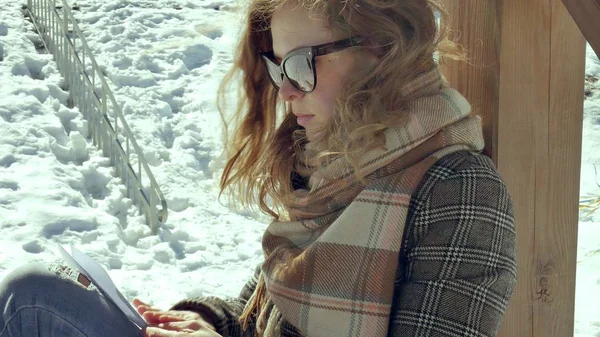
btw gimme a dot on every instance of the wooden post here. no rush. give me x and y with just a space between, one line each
477 27
526 79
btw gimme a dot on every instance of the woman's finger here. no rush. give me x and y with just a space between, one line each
170 318
178 326
158 332
138 303
161 317
150 317
143 308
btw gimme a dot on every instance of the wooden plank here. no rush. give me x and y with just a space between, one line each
484 26
586 14
536 145
523 106
478 29
558 192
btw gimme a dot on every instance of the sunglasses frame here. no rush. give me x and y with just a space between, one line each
310 53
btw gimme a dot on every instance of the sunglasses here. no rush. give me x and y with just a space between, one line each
298 66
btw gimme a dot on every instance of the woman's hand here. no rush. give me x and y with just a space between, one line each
155 316
177 329
173 323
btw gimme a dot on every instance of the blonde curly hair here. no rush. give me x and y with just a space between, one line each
265 146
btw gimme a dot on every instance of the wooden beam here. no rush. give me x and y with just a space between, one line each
557 193
586 14
478 30
523 82
531 55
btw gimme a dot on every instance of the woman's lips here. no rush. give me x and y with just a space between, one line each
304 119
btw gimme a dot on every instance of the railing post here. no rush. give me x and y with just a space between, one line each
66 46
50 33
140 175
104 106
153 216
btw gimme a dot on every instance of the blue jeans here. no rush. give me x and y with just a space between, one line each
35 301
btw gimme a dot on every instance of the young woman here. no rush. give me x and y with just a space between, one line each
386 219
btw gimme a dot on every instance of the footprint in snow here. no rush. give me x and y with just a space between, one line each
3 29
30 67
9 185
7 161
194 56
117 30
59 227
33 247
95 183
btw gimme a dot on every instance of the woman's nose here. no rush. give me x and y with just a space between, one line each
287 92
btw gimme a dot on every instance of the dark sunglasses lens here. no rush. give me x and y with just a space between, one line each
274 72
299 70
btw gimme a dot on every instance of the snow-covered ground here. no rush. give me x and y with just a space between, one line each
165 59
55 187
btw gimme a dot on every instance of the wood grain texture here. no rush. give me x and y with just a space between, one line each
530 94
477 28
558 194
587 16
523 106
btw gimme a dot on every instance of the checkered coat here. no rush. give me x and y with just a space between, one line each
458 258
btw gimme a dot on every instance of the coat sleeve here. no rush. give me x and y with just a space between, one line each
458 264
224 313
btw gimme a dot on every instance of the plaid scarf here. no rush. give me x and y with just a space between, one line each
331 273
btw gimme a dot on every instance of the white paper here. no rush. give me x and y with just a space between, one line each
99 277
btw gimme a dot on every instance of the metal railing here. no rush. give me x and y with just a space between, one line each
90 92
